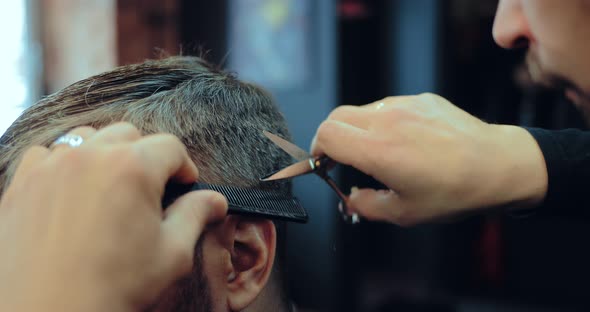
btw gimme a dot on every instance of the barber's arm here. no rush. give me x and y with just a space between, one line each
567 155
82 228
438 160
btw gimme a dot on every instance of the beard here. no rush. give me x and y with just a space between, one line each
189 294
574 93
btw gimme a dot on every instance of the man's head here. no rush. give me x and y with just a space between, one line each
557 36
220 120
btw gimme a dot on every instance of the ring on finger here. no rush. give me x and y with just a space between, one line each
71 140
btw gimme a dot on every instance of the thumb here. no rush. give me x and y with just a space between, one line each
377 205
184 222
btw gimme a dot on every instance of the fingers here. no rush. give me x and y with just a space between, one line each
344 143
360 117
379 205
84 132
167 158
185 220
31 157
163 154
352 115
388 101
37 154
117 133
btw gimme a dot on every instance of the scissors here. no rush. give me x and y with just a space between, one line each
308 164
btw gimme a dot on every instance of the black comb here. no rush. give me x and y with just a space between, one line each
246 201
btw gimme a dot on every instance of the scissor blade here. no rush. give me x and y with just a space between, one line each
294 170
291 149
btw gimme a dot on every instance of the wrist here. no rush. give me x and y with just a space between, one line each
523 172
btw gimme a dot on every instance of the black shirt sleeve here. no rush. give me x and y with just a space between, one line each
567 156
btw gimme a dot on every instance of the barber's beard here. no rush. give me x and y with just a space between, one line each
540 75
190 294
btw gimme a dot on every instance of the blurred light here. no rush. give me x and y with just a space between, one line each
14 80
353 9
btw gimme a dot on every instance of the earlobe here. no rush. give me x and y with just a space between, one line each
252 259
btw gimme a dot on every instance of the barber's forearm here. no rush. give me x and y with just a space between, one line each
567 157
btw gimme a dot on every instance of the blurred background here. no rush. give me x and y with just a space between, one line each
313 56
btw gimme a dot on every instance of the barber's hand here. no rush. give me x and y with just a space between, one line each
82 229
437 159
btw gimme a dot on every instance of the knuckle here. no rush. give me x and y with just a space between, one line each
126 160
172 138
33 150
175 143
339 111
398 113
127 128
74 156
195 213
69 161
36 172
388 99
83 129
430 97
324 132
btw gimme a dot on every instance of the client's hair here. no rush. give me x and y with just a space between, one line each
218 118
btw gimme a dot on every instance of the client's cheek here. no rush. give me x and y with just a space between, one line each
216 266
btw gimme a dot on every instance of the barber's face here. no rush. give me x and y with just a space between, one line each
557 36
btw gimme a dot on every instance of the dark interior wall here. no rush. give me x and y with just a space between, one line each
497 261
146 29
203 28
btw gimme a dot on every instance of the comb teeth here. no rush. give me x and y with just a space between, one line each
248 201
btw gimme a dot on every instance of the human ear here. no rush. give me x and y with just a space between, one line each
252 259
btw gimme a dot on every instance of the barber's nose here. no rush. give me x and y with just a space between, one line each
511 29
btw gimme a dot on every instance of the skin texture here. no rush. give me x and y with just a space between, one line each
555 34
216 117
440 161
116 162
437 160
233 264
82 218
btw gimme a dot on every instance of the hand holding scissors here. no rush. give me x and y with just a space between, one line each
437 159
308 164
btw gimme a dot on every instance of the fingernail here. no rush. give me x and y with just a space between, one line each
340 207
353 189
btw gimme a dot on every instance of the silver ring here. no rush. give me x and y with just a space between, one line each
72 140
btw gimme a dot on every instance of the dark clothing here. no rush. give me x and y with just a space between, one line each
567 155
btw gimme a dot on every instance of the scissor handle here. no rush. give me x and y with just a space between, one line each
322 165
